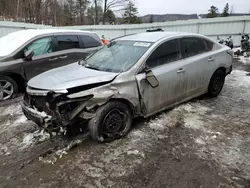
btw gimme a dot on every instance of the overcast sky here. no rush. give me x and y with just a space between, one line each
188 6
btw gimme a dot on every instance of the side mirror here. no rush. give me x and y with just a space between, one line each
151 79
28 55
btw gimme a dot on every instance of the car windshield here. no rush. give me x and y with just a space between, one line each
118 56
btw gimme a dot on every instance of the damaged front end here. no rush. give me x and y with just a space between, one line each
67 110
55 112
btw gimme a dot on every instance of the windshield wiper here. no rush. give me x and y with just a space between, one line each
91 67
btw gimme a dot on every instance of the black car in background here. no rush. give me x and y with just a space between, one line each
27 53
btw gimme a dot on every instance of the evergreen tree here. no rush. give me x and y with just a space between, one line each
130 14
225 12
110 16
212 12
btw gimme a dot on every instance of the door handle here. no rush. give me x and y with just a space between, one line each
181 70
210 59
63 57
53 59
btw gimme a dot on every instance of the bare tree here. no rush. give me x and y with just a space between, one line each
58 12
111 4
96 11
232 9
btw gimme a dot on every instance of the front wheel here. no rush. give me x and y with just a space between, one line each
216 83
112 121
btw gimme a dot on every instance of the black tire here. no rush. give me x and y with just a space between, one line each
100 126
13 84
216 83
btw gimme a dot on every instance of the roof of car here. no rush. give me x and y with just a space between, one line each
14 40
152 36
37 32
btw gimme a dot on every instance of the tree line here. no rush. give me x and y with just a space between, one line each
68 12
214 11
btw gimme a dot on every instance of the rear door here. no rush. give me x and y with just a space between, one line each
71 48
199 64
166 65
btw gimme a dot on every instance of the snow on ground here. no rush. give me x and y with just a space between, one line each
237 49
244 60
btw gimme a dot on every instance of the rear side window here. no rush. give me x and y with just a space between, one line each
90 42
192 46
165 53
67 42
209 45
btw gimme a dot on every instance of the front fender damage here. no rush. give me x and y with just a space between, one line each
77 107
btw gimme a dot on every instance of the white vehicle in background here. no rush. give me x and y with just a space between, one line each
136 75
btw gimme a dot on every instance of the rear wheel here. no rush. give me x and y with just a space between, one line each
8 88
216 83
112 121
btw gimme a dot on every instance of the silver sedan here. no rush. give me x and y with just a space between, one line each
136 75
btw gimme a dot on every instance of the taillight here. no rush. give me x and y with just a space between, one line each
230 52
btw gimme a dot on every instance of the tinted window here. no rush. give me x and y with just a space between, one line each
165 53
192 46
90 42
40 46
67 42
209 45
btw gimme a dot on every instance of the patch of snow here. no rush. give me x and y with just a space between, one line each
162 137
193 121
240 77
136 152
138 134
20 120
34 138
245 60
52 158
11 110
156 126
236 49
200 141
161 123
4 150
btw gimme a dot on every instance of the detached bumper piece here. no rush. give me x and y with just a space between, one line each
41 119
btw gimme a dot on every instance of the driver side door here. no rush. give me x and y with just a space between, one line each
44 55
166 65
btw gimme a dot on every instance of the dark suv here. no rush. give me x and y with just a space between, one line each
27 53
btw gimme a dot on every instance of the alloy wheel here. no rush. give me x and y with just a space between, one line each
6 89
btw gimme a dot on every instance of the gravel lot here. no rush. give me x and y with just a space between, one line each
202 143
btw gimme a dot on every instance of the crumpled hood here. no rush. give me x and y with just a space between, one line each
69 76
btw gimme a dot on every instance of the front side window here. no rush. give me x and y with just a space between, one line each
192 46
67 42
165 53
41 46
118 56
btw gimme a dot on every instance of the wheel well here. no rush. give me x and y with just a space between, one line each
18 79
222 68
128 103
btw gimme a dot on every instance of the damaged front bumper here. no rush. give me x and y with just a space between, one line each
40 118
56 114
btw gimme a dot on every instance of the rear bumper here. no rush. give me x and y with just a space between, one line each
39 118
